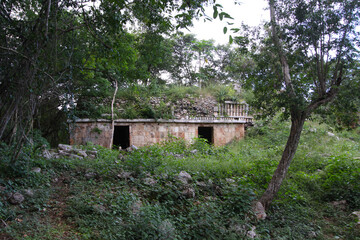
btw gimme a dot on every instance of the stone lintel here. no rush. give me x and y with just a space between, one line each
195 121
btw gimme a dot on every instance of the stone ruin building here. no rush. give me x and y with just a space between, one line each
219 124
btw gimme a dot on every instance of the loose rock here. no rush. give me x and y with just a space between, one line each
195 151
150 181
81 153
124 175
230 180
184 177
251 234
75 156
90 175
65 147
166 230
259 211
91 154
131 148
341 205
46 154
188 193
29 192
36 169
16 198
357 214
312 234
201 184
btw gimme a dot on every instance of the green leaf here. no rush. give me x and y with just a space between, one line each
225 30
215 14
231 39
221 16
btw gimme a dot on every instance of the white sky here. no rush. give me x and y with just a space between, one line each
251 12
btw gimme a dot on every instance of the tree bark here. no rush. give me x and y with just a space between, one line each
297 124
112 114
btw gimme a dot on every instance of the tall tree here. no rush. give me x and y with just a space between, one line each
303 65
42 47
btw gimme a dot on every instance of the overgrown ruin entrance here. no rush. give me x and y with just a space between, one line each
121 137
206 133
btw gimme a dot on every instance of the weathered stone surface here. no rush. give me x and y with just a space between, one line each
201 184
29 192
230 180
251 234
90 175
131 148
91 152
150 181
357 214
259 211
184 177
124 175
238 229
188 192
312 234
176 155
341 205
195 151
47 154
330 134
65 147
63 153
166 230
75 156
36 169
16 198
147 133
313 130
82 153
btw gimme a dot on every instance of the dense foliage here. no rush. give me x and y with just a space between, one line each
86 199
55 54
310 52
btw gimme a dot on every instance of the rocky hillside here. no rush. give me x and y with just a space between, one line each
164 107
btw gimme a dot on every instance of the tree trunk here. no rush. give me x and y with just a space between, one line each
112 114
5 119
297 123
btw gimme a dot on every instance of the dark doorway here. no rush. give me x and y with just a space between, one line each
206 133
121 137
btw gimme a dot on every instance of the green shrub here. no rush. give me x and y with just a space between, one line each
340 180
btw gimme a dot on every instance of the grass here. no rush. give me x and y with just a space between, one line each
215 204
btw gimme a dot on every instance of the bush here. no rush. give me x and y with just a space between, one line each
340 180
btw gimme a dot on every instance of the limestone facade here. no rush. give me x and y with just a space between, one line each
142 132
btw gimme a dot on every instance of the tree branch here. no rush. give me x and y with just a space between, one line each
94 33
277 42
27 58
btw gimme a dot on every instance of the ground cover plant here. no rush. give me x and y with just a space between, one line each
177 190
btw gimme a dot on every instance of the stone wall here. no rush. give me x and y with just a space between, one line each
148 132
96 132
